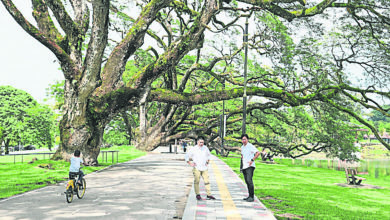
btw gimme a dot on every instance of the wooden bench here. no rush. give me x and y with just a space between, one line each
266 156
352 179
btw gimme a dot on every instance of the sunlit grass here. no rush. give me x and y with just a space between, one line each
14 158
312 192
21 177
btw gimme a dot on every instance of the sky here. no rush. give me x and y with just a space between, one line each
24 62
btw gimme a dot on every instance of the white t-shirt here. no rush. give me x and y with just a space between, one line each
75 164
248 153
199 155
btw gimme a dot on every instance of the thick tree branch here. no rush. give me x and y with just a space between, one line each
97 44
357 117
63 18
68 66
271 6
168 96
111 75
177 50
44 21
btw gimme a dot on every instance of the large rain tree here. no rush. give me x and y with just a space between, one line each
95 92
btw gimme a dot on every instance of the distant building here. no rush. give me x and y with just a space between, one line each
385 137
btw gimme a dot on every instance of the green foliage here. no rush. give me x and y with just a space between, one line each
115 137
56 91
141 59
283 129
117 131
24 120
379 120
41 124
1 133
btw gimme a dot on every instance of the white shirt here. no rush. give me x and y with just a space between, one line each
75 164
248 153
199 155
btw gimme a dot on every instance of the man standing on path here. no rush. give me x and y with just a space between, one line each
200 156
249 154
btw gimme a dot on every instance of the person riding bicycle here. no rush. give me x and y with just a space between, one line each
74 168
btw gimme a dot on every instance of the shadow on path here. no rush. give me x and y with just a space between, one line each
154 186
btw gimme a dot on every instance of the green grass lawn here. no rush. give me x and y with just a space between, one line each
375 152
311 193
21 177
14 158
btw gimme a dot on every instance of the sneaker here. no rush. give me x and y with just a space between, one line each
250 199
198 197
246 198
211 197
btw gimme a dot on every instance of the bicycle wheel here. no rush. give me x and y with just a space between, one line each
69 194
81 188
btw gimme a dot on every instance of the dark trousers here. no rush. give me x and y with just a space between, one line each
248 176
80 174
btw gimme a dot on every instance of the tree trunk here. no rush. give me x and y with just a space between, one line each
81 129
6 146
153 140
142 121
87 139
127 124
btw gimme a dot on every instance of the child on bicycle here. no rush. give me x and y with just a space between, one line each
74 168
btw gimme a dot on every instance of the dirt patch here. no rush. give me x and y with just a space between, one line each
362 186
267 198
46 166
290 216
268 162
33 160
179 159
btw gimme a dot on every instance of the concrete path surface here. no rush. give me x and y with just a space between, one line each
229 191
155 186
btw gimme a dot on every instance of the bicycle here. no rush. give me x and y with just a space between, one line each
74 187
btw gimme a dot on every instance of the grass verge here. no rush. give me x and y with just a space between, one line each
22 177
296 192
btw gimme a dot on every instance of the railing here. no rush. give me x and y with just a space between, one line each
23 156
104 153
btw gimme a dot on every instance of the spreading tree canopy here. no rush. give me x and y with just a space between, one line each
97 41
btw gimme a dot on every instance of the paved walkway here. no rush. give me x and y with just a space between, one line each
156 186
229 190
